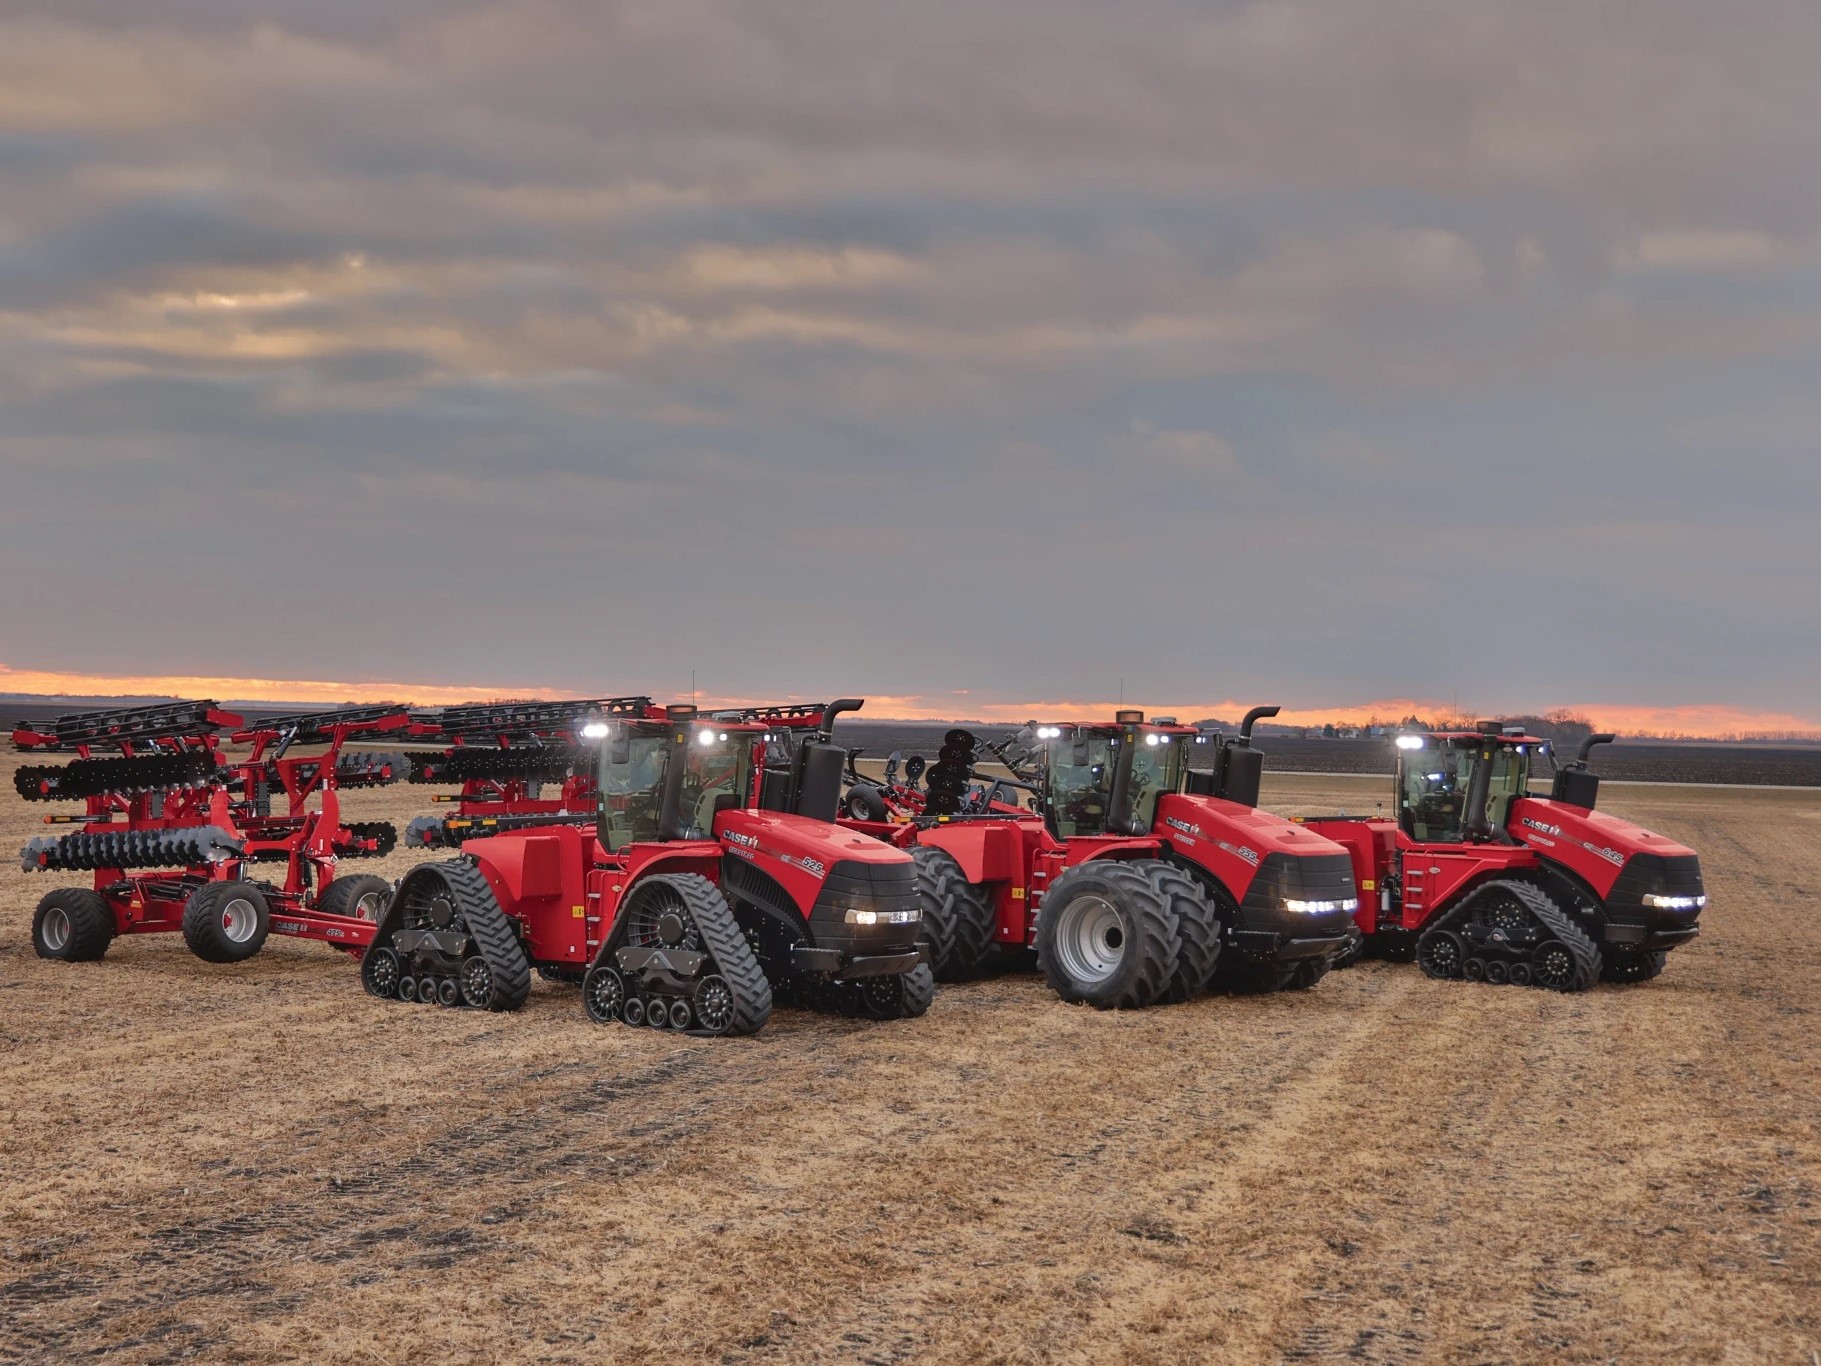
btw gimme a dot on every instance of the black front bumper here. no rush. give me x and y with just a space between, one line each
1267 929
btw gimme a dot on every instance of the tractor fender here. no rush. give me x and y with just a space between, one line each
988 851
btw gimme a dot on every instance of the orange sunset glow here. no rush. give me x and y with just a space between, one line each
1687 720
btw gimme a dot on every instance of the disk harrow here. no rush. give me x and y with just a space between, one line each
519 765
90 851
123 777
172 826
953 786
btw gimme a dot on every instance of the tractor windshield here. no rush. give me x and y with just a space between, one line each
1156 769
716 775
632 790
1433 785
1078 785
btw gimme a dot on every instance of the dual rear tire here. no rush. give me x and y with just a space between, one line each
1111 935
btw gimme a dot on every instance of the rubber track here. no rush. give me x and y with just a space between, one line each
1540 904
1155 928
733 956
492 933
958 917
1197 932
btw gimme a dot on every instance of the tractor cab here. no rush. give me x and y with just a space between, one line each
1456 787
1105 780
664 779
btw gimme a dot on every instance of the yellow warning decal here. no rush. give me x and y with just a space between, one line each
1367 885
577 912
1017 894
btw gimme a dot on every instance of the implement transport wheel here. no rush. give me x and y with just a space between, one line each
1197 932
226 922
1626 966
959 921
1107 936
359 896
72 924
863 803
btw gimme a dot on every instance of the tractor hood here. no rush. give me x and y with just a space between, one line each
1620 861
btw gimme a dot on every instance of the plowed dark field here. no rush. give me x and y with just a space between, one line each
259 1162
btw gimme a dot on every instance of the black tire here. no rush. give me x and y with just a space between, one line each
380 973
359 896
1440 954
1628 966
903 996
72 924
226 922
1197 932
959 922
865 803
1107 936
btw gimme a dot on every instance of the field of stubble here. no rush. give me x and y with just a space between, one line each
259 1162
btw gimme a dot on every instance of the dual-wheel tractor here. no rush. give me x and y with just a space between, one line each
1135 878
713 877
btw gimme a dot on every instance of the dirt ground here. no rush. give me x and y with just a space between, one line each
260 1162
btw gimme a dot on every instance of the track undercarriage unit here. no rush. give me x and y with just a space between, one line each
1510 932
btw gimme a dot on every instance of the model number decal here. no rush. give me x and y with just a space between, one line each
1240 851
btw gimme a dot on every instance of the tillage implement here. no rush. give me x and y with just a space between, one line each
1478 879
173 828
712 877
1137 880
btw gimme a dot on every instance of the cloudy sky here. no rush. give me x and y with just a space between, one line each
963 354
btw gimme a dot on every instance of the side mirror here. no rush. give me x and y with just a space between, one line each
1079 752
619 748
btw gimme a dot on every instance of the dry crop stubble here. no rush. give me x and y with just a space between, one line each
260 1160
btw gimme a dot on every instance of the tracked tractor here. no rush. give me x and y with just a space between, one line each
1137 880
712 876
175 831
1478 879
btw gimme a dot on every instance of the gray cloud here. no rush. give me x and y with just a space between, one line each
1305 349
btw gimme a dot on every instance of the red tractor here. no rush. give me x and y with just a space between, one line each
1136 880
173 829
1478 879
713 874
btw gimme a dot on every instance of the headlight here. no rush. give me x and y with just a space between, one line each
705 737
1409 742
1320 907
595 730
884 917
1674 903
1049 732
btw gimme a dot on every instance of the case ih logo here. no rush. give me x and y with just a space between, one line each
749 841
1240 851
1539 825
1183 826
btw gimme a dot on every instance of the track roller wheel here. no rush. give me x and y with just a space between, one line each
1521 975
226 922
359 896
72 924
604 994
1197 932
633 1012
1498 972
1626 966
1474 969
1107 936
1439 954
380 973
959 921
448 992
407 989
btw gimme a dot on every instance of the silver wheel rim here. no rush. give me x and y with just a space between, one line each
367 907
1090 939
56 929
239 920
